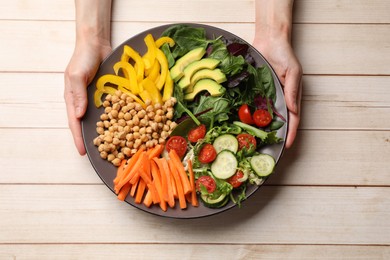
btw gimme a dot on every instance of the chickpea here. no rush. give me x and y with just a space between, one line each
106 148
127 116
148 102
129 144
164 134
136 135
122 122
149 130
116 162
106 103
97 141
100 130
158 118
149 108
153 125
165 128
135 120
116 107
169 114
101 148
123 96
120 156
108 97
114 113
138 107
129 100
103 154
108 139
155 135
104 117
142 130
131 105
143 122
127 151
141 114
129 137
114 99
136 129
116 141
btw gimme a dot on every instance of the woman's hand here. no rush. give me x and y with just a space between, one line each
79 73
93 34
273 40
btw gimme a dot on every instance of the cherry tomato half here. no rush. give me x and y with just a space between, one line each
246 140
244 113
196 133
177 143
262 117
207 182
207 154
234 180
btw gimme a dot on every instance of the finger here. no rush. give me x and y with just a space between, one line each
74 124
78 86
294 120
292 88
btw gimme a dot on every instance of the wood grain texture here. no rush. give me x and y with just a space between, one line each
191 251
274 215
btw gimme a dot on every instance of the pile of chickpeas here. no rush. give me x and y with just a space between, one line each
125 126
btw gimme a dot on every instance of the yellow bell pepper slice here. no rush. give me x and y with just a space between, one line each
160 56
97 97
168 88
130 74
128 53
150 55
154 72
114 80
150 87
165 39
145 96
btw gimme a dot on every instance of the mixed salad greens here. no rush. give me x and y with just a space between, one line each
230 126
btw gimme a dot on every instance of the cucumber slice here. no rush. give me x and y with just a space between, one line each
262 164
226 142
214 203
225 165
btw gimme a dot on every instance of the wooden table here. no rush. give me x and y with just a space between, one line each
330 196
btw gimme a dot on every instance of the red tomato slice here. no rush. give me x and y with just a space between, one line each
234 180
246 140
177 143
244 113
207 154
196 133
262 117
207 182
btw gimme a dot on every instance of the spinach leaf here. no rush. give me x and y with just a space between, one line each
230 64
219 109
186 38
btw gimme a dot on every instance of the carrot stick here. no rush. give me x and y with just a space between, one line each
120 171
167 173
143 162
148 199
155 151
164 185
194 198
140 191
130 169
174 190
157 182
182 173
153 190
124 192
179 187
133 189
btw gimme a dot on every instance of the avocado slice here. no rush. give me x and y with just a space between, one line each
215 74
209 85
205 63
191 56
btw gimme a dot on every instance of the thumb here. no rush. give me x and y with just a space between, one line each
291 89
79 96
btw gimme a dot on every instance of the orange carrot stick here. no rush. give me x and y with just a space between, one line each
120 171
155 151
130 169
173 183
182 173
179 187
148 199
153 190
140 191
157 182
133 189
194 198
124 192
143 163
164 186
167 172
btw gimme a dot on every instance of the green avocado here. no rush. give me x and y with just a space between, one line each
208 85
215 74
205 63
191 56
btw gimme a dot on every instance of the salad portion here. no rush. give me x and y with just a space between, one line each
230 103
190 119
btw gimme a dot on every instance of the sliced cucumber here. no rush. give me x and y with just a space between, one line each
226 142
214 203
262 164
252 130
225 165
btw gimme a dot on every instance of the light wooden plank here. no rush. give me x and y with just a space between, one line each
305 11
192 251
317 158
322 49
274 215
329 102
